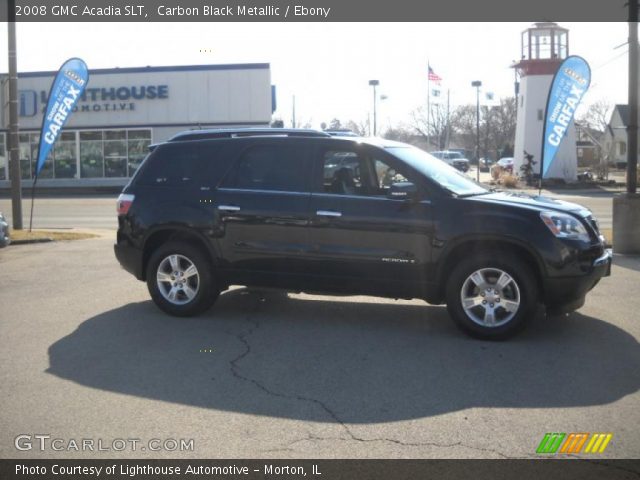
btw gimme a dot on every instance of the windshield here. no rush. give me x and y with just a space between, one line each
438 171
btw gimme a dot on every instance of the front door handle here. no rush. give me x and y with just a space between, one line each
229 208
328 213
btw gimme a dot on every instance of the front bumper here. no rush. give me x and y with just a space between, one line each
567 294
605 261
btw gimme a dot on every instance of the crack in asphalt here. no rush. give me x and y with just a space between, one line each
603 463
235 371
312 438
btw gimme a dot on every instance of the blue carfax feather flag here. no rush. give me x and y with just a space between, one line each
569 85
66 90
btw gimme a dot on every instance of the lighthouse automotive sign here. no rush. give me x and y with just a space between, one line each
569 85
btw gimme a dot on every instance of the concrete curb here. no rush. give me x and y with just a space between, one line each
31 240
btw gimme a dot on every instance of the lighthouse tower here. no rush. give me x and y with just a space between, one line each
544 46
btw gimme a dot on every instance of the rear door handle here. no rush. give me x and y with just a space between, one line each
328 213
229 208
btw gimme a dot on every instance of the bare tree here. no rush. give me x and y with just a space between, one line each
335 124
432 127
497 128
361 128
463 123
399 133
503 127
597 115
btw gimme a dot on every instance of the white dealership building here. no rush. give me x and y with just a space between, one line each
124 110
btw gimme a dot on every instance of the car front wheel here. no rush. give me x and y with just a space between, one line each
180 280
492 296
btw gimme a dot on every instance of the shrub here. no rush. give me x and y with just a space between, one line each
496 171
509 181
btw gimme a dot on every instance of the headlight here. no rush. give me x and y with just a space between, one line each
563 225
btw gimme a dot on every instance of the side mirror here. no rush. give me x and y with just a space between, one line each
403 191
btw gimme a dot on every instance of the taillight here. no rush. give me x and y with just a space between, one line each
124 202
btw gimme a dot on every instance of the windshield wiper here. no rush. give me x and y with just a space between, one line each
464 195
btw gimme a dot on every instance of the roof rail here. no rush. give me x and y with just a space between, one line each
245 132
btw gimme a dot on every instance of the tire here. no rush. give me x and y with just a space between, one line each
501 295
189 293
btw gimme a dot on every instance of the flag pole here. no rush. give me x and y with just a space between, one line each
448 135
33 198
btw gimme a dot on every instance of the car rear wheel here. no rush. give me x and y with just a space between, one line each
492 296
180 279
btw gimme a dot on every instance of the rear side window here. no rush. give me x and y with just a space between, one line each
181 164
271 167
171 165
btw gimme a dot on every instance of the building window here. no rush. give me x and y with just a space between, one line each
4 174
622 148
103 153
91 154
115 153
64 154
138 142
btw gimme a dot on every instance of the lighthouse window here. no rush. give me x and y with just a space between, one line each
540 114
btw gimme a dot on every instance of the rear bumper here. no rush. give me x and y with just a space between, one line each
568 293
130 258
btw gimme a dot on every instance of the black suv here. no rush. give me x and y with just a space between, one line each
303 211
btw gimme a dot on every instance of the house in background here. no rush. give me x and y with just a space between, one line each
615 137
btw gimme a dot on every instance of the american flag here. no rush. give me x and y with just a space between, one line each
433 76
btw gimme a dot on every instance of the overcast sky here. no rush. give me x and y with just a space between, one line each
327 65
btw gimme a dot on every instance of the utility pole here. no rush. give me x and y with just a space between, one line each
374 84
293 113
477 84
632 127
626 206
14 145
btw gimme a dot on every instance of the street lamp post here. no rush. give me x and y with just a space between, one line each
374 84
477 84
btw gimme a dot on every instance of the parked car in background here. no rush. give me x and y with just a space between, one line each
506 163
453 158
303 211
485 164
4 232
341 132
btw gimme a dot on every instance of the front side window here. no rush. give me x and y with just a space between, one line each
271 167
342 172
351 173
439 172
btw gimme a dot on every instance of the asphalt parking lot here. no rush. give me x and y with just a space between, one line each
84 354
